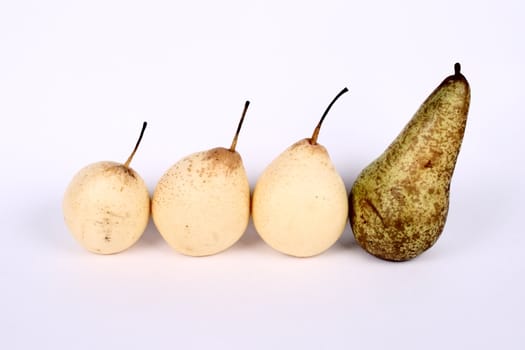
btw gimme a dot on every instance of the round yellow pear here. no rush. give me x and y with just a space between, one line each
106 206
300 204
201 205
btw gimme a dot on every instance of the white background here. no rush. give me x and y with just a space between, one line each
78 78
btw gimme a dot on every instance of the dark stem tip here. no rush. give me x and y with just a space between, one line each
457 68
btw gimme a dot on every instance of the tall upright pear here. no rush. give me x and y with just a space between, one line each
300 204
399 203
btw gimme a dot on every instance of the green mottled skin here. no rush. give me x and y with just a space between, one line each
399 203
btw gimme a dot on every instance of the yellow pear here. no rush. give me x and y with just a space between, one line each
399 203
201 205
106 206
300 204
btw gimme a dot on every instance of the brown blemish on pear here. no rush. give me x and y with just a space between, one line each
223 157
399 203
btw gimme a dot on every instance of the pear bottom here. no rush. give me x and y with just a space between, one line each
389 228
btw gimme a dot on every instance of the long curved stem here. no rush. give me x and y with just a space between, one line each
315 135
136 146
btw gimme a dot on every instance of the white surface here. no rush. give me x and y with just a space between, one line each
77 80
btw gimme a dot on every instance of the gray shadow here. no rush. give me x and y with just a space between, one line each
250 238
151 237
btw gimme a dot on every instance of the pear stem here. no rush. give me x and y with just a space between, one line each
136 146
234 142
315 135
457 68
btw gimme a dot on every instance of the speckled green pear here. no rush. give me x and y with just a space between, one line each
399 203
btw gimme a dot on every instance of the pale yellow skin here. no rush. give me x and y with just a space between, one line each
106 207
201 205
300 204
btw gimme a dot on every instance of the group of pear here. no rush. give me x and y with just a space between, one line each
201 206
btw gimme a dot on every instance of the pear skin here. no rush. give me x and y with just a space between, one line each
399 203
300 204
106 207
201 205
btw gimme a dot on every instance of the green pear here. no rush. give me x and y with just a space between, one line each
300 204
201 205
106 206
399 203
